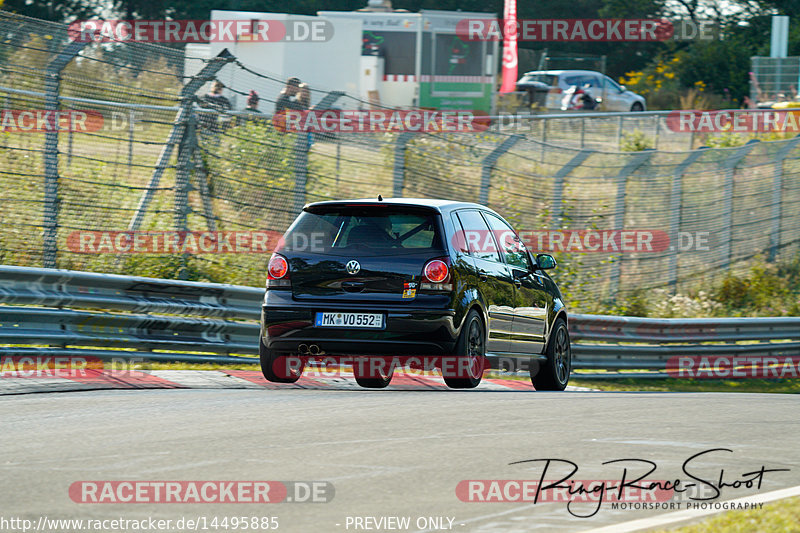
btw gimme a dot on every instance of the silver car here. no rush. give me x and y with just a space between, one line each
614 97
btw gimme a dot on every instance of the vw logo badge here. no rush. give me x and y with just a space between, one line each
353 267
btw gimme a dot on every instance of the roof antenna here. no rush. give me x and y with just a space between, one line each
380 198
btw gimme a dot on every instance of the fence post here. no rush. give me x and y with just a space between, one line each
201 176
558 184
777 203
399 170
131 132
635 162
301 147
488 164
178 131
729 165
52 85
544 136
675 214
657 130
186 151
329 99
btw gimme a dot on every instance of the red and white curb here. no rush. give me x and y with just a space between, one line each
19 383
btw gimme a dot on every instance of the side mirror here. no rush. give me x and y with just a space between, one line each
545 261
622 88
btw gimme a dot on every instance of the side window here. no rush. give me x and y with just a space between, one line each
513 250
611 84
479 238
592 81
459 238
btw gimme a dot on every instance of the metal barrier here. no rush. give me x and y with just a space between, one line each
61 312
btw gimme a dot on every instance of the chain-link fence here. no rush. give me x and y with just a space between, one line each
150 155
774 79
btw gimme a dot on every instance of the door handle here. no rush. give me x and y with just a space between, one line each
517 282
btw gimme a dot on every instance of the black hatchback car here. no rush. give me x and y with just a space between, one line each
411 277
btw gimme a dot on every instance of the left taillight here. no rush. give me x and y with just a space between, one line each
278 272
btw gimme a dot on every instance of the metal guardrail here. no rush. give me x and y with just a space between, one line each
61 312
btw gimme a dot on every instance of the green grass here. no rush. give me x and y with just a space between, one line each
780 517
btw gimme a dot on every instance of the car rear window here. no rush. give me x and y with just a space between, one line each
364 230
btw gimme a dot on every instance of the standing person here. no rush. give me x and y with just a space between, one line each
304 104
216 101
287 99
252 108
304 97
252 102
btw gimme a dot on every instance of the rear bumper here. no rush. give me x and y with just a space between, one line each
408 331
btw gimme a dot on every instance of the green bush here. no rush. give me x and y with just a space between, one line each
636 141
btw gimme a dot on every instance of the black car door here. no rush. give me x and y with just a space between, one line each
495 281
530 296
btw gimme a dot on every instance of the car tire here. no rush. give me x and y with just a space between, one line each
554 373
637 107
472 344
369 380
271 360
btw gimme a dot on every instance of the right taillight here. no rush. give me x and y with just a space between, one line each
436 271
277 272
437 275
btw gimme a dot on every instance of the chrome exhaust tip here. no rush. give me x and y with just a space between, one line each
314 349
303 349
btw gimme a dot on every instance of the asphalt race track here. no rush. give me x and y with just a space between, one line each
389 453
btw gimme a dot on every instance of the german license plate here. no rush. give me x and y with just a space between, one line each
349 320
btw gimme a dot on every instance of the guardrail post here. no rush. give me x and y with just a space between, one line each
399 170
635 162
178 130
675 214
558 185
729 165
488 164
777 203
52 84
